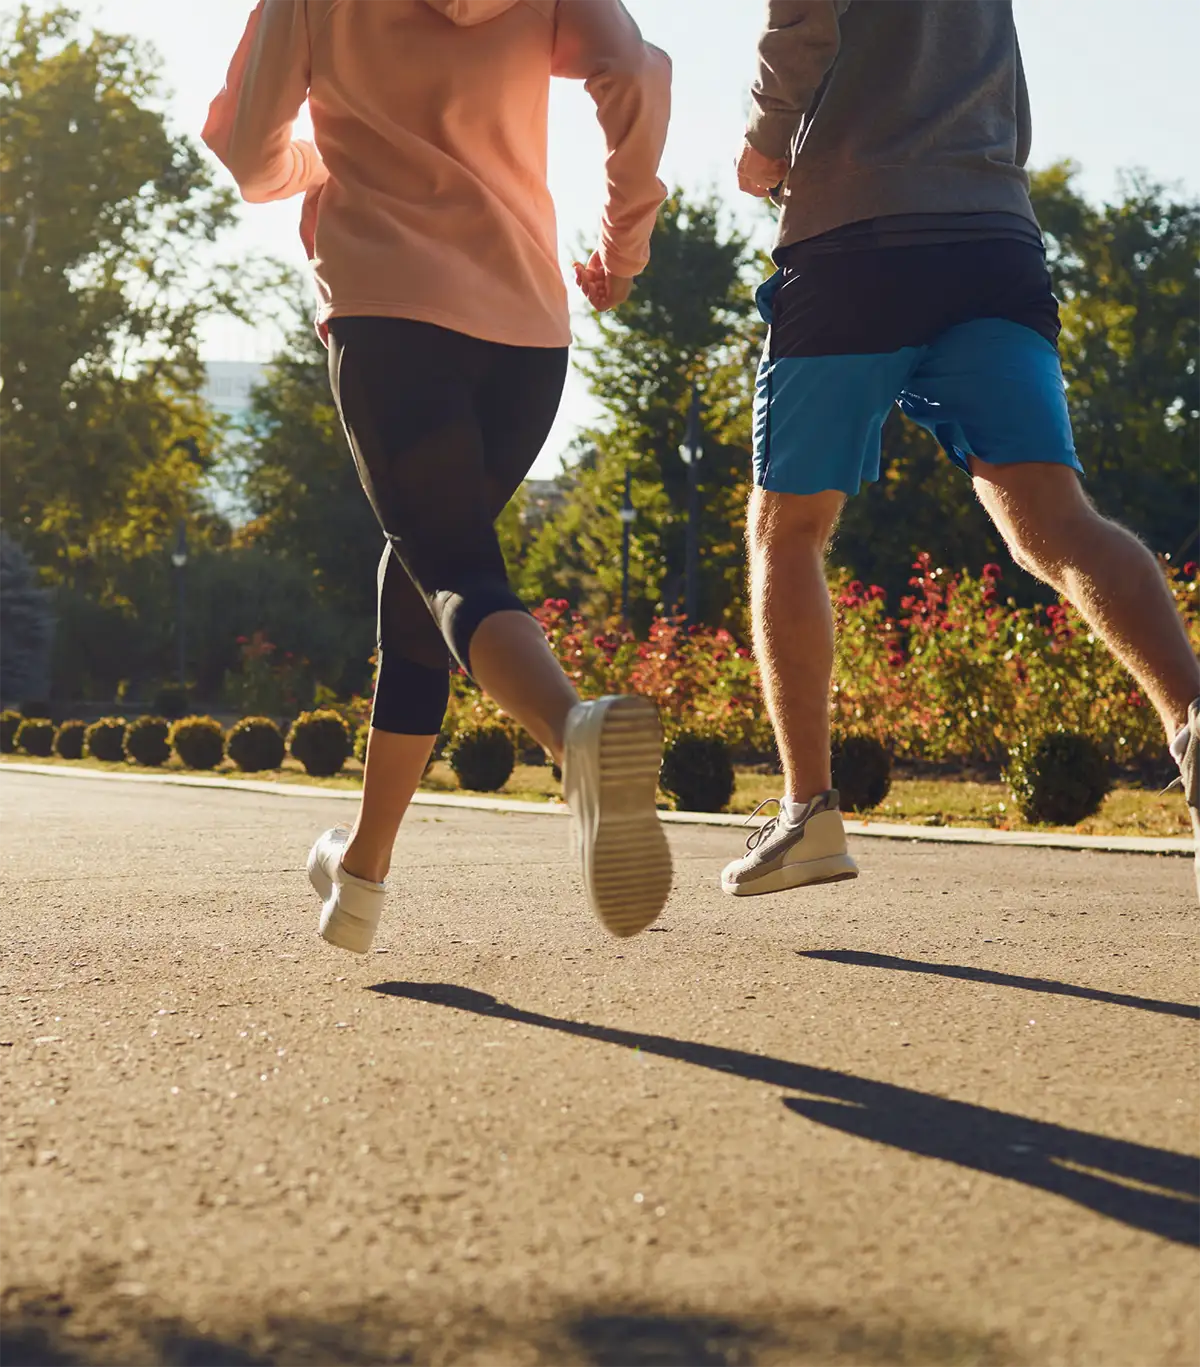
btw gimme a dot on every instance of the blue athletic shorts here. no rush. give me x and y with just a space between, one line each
961 337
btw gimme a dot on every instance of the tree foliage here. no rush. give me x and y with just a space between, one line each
691 317
102 213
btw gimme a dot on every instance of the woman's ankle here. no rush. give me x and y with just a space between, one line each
370 865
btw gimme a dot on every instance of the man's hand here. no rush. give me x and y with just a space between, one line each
603 291
758 175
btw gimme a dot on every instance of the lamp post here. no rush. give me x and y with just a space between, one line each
690 453
627 516
179 557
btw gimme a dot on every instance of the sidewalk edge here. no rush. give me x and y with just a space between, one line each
880 830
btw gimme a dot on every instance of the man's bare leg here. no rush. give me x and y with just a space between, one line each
1104 571
793 627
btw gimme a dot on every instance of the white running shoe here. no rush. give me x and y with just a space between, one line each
784 854
351 907
612 755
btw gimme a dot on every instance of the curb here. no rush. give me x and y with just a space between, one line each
880 830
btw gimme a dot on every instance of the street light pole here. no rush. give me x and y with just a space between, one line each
627 517
690 454
179 558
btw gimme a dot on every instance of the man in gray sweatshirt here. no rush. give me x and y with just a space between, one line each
894 135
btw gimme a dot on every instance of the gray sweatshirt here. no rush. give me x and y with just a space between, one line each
891 107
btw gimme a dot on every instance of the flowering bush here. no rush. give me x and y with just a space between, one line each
265 681
959 675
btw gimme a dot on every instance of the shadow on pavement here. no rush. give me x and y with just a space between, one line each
45 1329
1155 1190
987 975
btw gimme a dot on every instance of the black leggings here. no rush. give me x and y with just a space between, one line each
443 428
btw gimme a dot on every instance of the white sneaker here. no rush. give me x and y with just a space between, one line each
351 907
784 854
612 755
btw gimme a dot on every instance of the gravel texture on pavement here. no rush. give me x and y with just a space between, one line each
946 1114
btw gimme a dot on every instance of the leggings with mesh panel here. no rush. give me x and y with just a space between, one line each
443 428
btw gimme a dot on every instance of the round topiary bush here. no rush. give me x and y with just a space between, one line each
482 757
68 740
697 773
862 772
198 741
10 719
321 741
35 737
360 742
146 742
1059 778
171 701
254 744
105 739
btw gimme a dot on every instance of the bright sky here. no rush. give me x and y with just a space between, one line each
1112 85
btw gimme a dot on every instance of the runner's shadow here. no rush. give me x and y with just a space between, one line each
987 975
1155 1190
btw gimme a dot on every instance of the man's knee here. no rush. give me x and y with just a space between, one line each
781 520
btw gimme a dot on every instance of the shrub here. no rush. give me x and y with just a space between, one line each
254 744
146 742
321 742
360 742
35 736
105 739
171 701
68 740
10 720
198 741
862 772
697 772
482 757
1059 778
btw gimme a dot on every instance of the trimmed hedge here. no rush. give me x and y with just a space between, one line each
68 740
360 742
105 739
482 757
35 737
862 772
10 720
1060 778
255 744
198 741
146 742
321 741
697 772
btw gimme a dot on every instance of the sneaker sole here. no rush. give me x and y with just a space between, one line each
834 868
627 864
345 930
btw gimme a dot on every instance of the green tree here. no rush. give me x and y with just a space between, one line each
295 475
691 317
102 214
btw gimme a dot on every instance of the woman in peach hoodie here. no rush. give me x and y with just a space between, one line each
432 237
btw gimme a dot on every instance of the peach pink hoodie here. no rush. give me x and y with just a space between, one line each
425 195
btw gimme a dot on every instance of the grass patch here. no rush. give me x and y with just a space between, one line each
919 801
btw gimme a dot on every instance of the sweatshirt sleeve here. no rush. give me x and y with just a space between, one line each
796 50
630 81
249 124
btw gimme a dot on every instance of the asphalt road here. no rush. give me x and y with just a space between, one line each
943 1115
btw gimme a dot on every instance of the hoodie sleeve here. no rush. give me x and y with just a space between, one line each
797 47
630 81
249 124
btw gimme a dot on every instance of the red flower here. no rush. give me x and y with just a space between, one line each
1191 569
991 571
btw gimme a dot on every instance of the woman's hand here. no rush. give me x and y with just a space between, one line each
602 290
